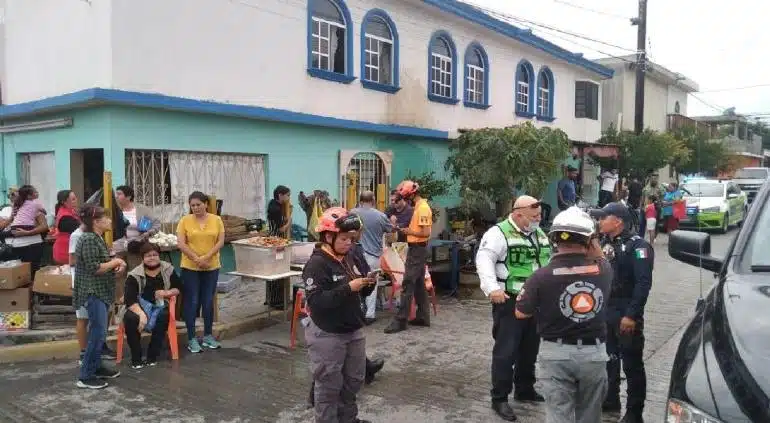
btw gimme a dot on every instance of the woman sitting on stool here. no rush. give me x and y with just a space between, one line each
148 287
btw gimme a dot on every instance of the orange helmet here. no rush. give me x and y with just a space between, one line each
337 219
407 189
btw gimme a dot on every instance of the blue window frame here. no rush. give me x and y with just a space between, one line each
545 92
330 41
442 69
476 77
379 52
525 98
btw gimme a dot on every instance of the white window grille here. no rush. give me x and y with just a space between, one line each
329 43
522 90
544 99
441 83
475 84
378 51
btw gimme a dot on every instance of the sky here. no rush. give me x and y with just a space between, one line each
720 45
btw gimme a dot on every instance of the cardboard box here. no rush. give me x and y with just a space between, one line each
19 299
15 277
50 282
14 320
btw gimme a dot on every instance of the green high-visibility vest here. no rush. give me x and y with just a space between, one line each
525 254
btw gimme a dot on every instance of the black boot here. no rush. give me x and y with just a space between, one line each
530 396
504 410
372 367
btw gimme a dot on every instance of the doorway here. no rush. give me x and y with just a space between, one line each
86 172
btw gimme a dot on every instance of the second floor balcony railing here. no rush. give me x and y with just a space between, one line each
677 121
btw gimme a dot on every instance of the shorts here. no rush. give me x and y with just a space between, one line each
651 223
81 313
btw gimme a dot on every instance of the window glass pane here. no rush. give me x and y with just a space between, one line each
544 82
438 45
474 58
378 27
327 10
523 74
386 63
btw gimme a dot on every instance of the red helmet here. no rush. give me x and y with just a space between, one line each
407 189
337 219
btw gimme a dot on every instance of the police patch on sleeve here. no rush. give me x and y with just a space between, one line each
641 253
309 285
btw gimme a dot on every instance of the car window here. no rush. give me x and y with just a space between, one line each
751 174
703 190
755 255
732 189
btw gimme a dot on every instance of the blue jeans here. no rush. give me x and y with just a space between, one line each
97 335
199 288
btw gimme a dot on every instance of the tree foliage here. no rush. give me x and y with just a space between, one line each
491 163
705 155
641 154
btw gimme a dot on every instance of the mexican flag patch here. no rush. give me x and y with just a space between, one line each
641 253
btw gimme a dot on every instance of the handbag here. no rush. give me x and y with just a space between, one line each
152 310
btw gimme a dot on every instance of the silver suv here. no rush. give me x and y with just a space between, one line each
751 179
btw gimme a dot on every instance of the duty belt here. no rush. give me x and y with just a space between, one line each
576 341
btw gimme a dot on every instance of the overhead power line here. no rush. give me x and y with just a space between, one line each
735 88
588 9
711 105
508 17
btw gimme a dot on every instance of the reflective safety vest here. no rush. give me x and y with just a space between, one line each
525 255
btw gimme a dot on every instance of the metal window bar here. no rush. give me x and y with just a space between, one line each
441 84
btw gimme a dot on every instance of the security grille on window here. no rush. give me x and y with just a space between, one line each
523 82
586 100
475 81
328 35
544 92
441 68
378 66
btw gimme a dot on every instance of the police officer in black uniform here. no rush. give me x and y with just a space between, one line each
568 298
632 260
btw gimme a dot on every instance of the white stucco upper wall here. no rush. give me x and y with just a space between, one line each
255 53
54 47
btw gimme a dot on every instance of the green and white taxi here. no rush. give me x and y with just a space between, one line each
713 204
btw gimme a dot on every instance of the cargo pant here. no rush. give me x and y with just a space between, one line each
574 380
338 364
413 285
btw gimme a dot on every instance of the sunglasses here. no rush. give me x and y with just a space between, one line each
531 206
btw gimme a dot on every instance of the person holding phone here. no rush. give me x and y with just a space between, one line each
334 334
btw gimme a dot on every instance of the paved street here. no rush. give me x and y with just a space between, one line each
440 374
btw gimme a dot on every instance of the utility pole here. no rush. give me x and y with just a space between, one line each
641 64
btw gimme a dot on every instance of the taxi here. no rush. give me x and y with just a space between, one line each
713 204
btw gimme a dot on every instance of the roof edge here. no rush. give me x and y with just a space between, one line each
472 14
107 96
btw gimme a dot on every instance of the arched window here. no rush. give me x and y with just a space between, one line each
442 62
329 40
524 96
379 52
476 77
545 93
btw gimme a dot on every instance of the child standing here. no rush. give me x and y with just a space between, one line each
651 214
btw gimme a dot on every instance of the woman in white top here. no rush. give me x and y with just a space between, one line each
134 213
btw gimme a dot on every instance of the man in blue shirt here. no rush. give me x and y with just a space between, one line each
566 190
375 225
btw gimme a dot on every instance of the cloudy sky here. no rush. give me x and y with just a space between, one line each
720 45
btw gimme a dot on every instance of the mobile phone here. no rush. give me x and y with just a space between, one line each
375 275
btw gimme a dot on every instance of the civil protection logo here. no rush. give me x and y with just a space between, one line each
580 301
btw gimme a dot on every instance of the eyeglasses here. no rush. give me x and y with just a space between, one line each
531 206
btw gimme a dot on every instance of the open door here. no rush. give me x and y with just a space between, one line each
365 171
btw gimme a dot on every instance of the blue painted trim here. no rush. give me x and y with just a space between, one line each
102 96
388 88
331 76
472 48
323 74
453 50
479 17
476 105
532 92
545 73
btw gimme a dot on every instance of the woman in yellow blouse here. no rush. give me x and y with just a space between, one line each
200 236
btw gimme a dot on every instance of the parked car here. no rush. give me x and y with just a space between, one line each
751 179
713 204
721 370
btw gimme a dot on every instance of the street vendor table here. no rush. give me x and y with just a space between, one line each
283 278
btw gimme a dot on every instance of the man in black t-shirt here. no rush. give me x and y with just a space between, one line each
278 226
567 298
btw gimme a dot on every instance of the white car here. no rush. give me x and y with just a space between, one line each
713 204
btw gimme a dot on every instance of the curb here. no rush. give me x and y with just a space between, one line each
69 349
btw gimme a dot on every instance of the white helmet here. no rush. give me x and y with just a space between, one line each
573 221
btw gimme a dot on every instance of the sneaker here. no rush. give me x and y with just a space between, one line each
150 363
137 366
106 373
91 384
194 346
210 342
108 354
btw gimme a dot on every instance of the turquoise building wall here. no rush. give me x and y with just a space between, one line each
299 156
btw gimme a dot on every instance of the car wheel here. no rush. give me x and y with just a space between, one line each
725 224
